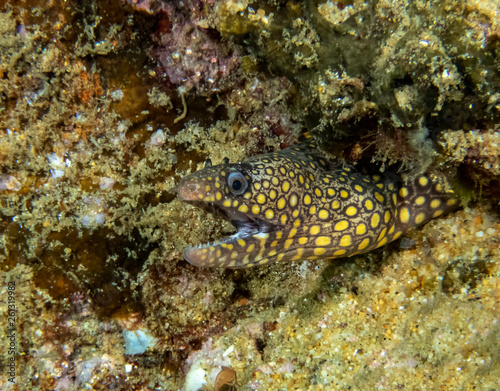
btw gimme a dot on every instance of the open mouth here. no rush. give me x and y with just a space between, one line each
246 226
246 247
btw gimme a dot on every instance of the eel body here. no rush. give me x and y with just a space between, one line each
293 204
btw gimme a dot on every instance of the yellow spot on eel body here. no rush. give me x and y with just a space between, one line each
361 229
435 204
323 214
314 230
351 211
364 244
345 241
341 225
420 200
437 213
323 241
423 181
404 215
419 218
319 251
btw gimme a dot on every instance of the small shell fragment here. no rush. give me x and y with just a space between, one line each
225 380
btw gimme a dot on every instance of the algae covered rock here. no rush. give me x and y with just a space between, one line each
436 62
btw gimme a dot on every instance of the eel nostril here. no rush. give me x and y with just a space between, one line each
188 191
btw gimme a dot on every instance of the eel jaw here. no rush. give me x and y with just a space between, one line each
248 227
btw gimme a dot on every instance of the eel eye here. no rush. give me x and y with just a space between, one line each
237 183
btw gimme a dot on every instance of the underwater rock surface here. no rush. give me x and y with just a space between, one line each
105 106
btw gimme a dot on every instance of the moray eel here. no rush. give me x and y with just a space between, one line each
294 204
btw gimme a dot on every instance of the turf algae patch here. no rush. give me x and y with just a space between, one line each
473 157
365 69
465 274
81 171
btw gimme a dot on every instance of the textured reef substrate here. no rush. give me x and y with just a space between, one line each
105 106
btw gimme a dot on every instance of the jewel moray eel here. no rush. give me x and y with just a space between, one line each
293 204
